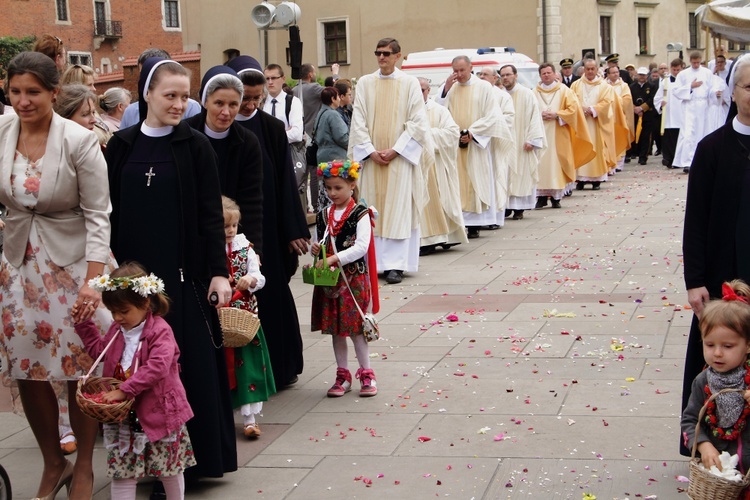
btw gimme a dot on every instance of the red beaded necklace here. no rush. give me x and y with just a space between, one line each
727 433
334 227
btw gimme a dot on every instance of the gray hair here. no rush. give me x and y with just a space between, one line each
220 82
71 98
461 58
739 64
114 97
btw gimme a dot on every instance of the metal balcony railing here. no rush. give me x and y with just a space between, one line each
108 29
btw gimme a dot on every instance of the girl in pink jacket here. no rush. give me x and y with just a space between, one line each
153 440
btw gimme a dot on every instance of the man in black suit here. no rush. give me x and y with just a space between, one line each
645 114
566 71
614 60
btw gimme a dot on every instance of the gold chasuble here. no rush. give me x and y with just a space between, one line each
485 162
599 96
622 109
442 220
389 112
568 141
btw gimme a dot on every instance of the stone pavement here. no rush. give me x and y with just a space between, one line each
558 375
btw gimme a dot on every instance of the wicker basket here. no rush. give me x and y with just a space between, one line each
703 484
238 326
320 276
107 413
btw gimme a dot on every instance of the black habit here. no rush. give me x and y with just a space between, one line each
717 197
166 214
283 222
241 176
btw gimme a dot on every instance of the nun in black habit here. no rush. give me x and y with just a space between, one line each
285 232
166 214
239 157
716 239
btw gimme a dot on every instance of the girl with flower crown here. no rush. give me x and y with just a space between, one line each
153 439
725 333
345 230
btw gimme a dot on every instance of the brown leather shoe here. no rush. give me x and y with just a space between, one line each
252 431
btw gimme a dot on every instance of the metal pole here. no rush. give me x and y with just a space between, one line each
544 30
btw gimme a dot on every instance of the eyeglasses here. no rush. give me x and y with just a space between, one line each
252 99
273 78
59 40
384 53
746 88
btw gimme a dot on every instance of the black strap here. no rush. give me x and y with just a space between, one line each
288 106
315 129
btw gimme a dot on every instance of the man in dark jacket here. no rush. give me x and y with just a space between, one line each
645 114
566 71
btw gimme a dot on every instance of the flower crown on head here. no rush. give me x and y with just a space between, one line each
142 285
344 169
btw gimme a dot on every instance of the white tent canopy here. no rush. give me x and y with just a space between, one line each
728 18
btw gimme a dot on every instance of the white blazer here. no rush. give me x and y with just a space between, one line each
72 212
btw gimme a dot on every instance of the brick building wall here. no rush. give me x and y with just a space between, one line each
141 26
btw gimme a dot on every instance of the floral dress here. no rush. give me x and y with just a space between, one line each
37 335
131 455
250 374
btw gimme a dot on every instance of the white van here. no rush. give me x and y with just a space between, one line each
435 65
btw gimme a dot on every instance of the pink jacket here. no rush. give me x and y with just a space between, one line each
160 400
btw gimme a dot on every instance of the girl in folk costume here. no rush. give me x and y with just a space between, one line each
142 352
725 333
345 229
250 375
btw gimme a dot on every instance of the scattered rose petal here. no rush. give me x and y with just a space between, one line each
424 439
452 318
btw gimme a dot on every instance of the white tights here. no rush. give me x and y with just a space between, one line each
124 489
361 350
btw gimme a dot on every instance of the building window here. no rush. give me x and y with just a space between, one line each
82 58
62 10
643 47
693 29
171 14
334 39
736 46
605 31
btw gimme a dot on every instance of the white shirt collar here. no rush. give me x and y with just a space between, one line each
279 98
740 127
156 132
547 87
215 135
240 241
393 75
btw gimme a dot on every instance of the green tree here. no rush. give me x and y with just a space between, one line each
10 47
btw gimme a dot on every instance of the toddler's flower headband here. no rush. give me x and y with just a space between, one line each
344 169
728 294
142 285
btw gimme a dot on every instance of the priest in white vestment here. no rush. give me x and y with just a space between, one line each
670 109
692 88
488 146
390 137
442 220
568 142
530 144
595 98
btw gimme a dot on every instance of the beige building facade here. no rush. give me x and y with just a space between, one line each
347 31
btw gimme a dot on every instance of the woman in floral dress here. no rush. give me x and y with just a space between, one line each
54 185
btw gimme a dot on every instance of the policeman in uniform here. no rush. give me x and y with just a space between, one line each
614 60
566 70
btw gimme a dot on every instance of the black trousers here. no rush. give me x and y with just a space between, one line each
643 146
669 145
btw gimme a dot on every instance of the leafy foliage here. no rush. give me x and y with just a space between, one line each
10 47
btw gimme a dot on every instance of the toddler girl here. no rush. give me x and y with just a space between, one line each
725 332
348 225
153 440
250 375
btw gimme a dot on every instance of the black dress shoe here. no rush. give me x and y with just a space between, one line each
579 185
492 227
473 232
686 170
507 213
627 159
658 152
541 202
427 250
641 162
518 215
556 203
394 276
595 185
